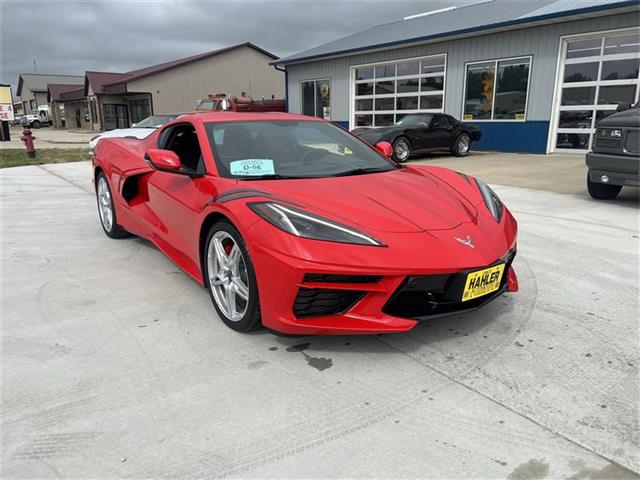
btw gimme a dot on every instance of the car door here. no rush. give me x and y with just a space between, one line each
419 134
440 132
175 198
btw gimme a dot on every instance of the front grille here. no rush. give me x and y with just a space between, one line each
315 302
433 295
608 142
632 142
333 278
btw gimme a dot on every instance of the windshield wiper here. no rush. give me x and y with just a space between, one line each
361 171
270 176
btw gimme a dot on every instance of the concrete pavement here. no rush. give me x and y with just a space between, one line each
114 363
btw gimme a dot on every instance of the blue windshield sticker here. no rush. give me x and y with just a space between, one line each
252 167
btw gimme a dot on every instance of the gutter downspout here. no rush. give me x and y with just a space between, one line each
286 87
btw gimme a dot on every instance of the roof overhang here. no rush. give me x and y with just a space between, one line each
630 6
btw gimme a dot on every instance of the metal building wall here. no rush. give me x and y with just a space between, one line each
541 42
234 72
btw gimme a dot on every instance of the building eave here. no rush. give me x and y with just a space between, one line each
622 7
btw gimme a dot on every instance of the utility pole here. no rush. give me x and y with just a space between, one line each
35 67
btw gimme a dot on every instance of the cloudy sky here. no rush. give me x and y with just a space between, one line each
69 37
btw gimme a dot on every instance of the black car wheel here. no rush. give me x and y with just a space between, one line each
36 124
461 145
401 150
602 191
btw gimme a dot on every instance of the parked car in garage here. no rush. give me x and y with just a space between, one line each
423 133
614 161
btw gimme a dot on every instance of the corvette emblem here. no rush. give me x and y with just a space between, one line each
466 241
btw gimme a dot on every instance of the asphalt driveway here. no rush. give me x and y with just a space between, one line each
115 365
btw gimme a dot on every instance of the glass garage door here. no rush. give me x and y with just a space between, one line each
597 74
385 92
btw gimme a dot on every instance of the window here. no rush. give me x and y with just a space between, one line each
385 92
497 89
307 149
182 139
316 98
94 111
139 110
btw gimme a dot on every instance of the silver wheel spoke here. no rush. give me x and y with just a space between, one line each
221 255
241 289
231 301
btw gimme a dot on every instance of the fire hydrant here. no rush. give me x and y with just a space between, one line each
28 138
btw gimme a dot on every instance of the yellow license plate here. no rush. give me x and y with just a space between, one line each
482 282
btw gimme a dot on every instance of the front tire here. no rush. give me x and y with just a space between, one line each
462 145
36 124
106 210
401 149
602 191
230 278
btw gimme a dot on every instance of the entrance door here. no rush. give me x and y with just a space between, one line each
116 116
316 98
78 118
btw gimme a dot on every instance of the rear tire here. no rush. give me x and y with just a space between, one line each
401 149
602 191
462 145
106 210
230 278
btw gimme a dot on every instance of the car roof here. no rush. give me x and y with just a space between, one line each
244 116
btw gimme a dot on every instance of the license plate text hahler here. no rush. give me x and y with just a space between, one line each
482 282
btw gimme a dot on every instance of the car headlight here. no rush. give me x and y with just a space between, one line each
607 132
306 225
491 200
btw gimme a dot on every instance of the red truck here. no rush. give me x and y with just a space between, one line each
223 102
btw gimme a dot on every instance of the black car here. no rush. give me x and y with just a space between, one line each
423 133
615 157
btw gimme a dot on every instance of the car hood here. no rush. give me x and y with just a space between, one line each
139 133
403 200
372 131
628 118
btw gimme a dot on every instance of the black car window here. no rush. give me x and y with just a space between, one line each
182 139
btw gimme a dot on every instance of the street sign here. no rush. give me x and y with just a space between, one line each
6 104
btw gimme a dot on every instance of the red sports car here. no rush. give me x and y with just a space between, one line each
296 225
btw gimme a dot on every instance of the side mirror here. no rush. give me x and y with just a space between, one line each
385 149
164 160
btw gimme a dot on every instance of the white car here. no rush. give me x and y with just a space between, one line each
139 130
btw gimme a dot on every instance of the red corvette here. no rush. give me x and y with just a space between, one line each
294 224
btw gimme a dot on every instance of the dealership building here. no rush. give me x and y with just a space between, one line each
535 76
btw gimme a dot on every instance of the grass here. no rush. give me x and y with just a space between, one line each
17 157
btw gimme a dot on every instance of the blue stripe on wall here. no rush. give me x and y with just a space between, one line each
526 137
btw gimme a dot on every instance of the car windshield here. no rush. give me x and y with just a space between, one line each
155 121
414 119
290 149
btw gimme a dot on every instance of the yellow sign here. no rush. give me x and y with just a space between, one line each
468 116
6 104
5 95
519 116
482 282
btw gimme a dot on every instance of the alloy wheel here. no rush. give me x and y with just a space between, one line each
105 207
463 145
228 277
402 150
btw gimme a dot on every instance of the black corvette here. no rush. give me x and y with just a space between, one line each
423 133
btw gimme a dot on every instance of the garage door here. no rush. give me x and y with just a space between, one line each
596 74
382 93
